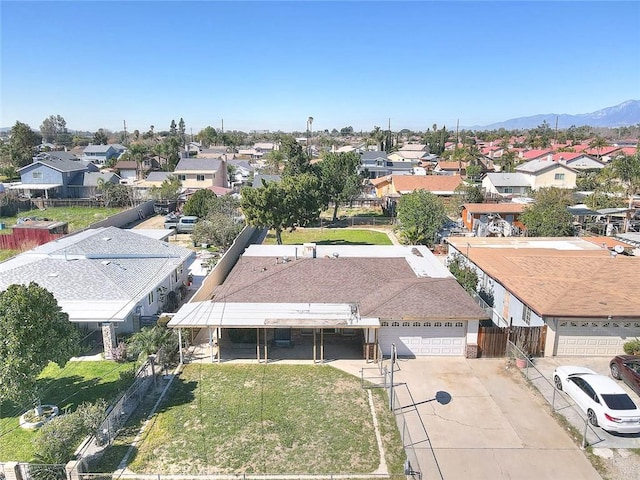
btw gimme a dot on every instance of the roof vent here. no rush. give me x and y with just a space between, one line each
105 262
106 239
53 274
335 254
285 259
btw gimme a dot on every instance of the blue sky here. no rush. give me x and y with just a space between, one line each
271 65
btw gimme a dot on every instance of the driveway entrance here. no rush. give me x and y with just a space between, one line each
494 426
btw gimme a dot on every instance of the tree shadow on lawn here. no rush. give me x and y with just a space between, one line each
342 242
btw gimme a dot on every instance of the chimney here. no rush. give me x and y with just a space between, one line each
309 250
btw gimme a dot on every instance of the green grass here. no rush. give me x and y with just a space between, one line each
330 236
5 254
67 388
266 419
77 217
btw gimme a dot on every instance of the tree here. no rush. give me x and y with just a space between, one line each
297 161
33 332
181 131
137 152
52 127
274 160
198 203
168 190
627 171
217 229
421 215
22 144
468 194
113 194
549 216
173 129
466 276
294 202
507 161
340 179
100 137
151 339
207 136
598 144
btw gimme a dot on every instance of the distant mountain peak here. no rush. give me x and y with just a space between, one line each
624 114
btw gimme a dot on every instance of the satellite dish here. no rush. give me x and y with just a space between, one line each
618 249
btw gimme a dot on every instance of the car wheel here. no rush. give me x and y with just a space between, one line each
593 420
558 382
615 371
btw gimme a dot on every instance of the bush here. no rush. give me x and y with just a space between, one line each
632 347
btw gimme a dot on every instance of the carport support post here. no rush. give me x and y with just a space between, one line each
180 345
322 345
393 356
315 356
258 344
210 344
266 347
219 339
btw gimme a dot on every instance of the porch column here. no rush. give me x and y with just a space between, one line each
322 345
210 344
314 346
375 346
258 344
219 330
180 345
266 348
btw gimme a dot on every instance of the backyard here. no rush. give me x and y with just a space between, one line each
330 236
264 419
68 387
77 217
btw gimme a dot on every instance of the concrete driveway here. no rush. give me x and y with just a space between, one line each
564 405
494 426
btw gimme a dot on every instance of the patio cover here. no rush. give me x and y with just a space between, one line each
270 315
34 186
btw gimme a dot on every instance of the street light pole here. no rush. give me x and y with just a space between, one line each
309 130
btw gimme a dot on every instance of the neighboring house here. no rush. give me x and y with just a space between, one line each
605 154
450 168
547 173
51 174
86 184
395 185
577 160
265 147
374 164
242 171
506 184
101 154
197 173
127 169
472 213
585 294
295 296
410 156
104 277
534 154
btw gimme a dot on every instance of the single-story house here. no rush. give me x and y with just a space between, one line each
295 295
104 277
585 293
472 213
395 185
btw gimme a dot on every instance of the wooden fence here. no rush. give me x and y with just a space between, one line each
492 341
23 239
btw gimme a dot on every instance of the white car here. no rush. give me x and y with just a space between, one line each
606 404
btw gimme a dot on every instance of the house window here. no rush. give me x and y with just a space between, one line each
559 176
526 315
459 324
182 178
448 324
395 324
37 175
384 324
437 324
416 324
406 324
508 190
150 297
200 178
427 324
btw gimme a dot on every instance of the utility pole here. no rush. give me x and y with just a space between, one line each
125 131
457 130
555 138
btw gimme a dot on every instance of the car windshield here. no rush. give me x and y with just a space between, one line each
619 402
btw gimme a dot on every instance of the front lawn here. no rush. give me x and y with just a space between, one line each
267 419
330 236
68 387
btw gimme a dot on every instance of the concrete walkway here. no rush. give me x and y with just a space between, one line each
493 427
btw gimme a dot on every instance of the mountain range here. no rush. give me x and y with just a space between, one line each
625 114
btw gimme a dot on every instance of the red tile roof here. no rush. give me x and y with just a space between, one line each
431 183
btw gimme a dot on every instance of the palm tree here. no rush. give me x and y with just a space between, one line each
598 143
137 152
627 171
507 161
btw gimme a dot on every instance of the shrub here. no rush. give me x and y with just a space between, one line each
632 347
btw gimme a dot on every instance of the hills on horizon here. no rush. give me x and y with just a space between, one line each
622 115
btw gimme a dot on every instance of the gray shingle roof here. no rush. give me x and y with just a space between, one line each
60 164
257 179
509 179
199 164
158 176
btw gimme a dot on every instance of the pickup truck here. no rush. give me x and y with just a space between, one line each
171 220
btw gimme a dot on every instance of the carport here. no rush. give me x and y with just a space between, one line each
271 318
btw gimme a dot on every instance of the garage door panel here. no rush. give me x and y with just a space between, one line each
595 338
423 341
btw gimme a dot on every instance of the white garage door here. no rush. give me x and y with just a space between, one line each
595 338
415 339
